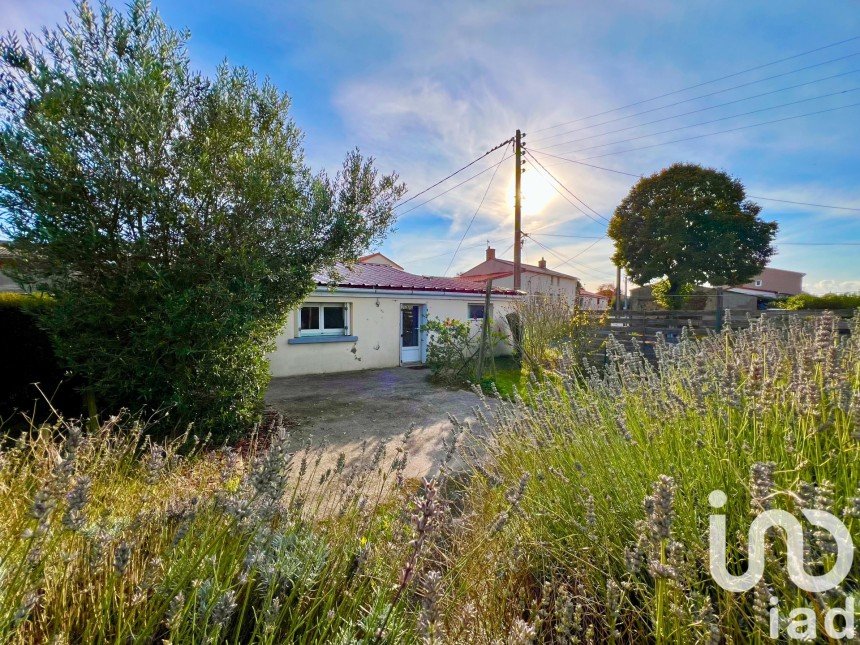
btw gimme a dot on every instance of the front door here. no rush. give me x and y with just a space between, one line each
410 333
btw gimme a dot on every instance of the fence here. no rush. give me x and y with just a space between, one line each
642 327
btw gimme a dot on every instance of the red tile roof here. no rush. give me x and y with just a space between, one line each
369 276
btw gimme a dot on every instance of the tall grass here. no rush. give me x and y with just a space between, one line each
581 516
107 537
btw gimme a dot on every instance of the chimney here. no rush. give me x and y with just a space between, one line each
542 263
491 253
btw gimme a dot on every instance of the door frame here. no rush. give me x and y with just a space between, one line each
422 335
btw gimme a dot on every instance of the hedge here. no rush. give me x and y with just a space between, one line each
827 301
29 364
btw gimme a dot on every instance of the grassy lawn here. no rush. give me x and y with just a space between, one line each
509 375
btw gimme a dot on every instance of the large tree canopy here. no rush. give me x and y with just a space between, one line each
690 225
172 217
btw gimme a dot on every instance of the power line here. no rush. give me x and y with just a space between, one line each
456 172
537 161
690 87
594 272
581 163
711 134
444 192
703 96
694 125
446 253
477 210
712 107
578 237
565 197
786 201
818 243
639 176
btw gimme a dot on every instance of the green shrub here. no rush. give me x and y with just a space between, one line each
452 350
171 216
548 325
30 370
827 301
686 298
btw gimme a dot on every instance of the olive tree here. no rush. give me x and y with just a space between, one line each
172 217
689 225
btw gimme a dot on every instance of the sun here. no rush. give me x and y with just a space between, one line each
537 193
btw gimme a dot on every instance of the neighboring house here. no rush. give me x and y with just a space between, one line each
370 316
593 301
772 283
534 279
756 294
378 258
6 283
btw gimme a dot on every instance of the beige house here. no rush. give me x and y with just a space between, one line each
534 279
773 283
371 316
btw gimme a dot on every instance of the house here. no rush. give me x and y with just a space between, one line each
592 301
772 283
769 285
378 258
370 316
6 283
534 279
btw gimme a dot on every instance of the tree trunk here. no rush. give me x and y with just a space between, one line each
673 294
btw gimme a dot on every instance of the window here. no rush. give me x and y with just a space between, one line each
476 311
324 320
758 283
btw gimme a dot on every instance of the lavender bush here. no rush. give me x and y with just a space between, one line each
581 516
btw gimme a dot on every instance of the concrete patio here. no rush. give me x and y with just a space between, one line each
347 409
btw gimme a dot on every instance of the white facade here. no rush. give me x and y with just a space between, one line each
373 335
535 280
541 284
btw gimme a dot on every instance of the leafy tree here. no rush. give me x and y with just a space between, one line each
172 217
690 225
606 289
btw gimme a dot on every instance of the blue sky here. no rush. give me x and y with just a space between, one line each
427 87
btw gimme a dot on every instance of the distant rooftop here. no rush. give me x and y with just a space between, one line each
494 267
365 275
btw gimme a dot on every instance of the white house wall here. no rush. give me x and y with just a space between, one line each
375 321
540 283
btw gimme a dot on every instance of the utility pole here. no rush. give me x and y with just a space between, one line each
485 333
618 288
518 233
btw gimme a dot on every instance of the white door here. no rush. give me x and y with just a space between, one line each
410 333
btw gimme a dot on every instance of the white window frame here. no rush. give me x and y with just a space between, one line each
321 331
758 283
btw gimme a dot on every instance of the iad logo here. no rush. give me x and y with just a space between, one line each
794 541
803 619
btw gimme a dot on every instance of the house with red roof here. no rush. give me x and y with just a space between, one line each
535 279
370 315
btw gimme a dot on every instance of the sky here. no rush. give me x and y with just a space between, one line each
425 88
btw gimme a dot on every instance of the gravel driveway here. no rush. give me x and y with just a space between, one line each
347 409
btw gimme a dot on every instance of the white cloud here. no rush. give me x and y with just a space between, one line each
834 286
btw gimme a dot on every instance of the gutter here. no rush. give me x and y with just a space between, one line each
426 293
